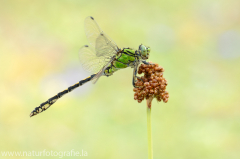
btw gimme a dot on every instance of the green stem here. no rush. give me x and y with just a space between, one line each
149 129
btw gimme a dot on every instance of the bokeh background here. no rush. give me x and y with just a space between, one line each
196 42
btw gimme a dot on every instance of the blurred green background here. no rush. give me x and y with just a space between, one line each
196 42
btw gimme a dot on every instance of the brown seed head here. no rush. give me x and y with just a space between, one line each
152 84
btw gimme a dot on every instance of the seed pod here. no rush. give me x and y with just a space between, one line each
135 89
152 83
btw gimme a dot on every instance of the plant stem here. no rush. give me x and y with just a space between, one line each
149 128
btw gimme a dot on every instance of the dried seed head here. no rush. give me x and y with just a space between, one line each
152 84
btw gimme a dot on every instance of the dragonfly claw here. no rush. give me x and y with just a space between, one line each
147 63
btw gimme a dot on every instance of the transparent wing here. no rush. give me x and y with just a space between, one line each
100 54
90 62
101 72
93 31
105 47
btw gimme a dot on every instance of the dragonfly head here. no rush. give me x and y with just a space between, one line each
144 51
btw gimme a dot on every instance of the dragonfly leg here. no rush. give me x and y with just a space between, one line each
147 63
135 76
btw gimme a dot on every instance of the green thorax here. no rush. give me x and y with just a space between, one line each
126 57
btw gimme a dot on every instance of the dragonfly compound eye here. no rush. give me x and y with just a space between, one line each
143 50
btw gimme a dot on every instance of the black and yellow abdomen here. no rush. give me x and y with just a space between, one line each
45 105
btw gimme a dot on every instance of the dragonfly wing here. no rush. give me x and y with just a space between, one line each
105 47
93 31
90 62
98 59
101 72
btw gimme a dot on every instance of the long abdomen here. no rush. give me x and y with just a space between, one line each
50 101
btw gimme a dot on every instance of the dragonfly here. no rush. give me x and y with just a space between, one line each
102 58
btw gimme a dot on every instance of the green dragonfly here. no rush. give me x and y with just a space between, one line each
103 57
